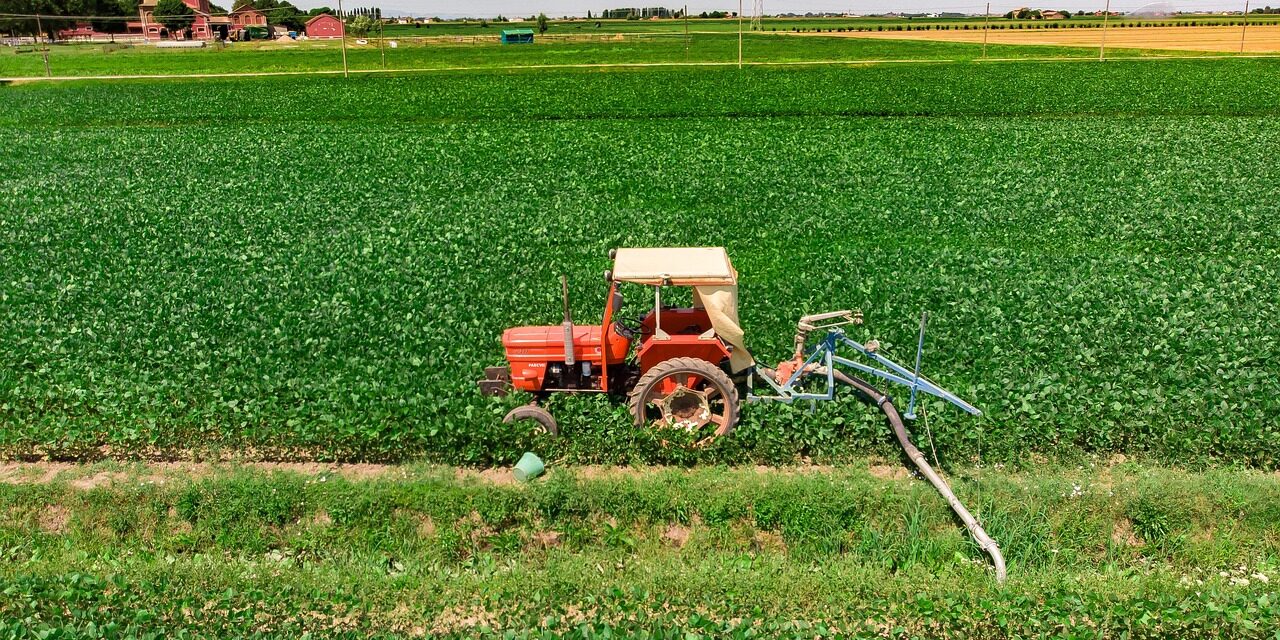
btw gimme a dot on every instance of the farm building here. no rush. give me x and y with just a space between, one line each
247 16
324 26
517 36
81 30
205 26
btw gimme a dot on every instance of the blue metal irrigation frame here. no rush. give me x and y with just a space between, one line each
826 352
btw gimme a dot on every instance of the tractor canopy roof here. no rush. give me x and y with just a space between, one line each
677 266
707 270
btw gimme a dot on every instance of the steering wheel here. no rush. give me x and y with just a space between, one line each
628 328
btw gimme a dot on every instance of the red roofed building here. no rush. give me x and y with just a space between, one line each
81 30
324 26
247 16
204 27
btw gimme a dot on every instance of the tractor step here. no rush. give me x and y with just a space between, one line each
497 381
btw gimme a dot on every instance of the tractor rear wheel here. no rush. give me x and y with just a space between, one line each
688 394
543 421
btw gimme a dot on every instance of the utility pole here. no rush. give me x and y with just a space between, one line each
739 34
44 49
686 33
986 28
1244 25
342 20
1102 47
382 41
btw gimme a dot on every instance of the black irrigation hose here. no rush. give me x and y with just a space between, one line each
900 431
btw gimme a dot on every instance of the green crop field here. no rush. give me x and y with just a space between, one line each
320 268
292 272
78 60
473 44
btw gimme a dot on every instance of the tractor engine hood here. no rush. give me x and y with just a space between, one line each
708 271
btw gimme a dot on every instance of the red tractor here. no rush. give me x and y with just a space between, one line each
680 373
690 362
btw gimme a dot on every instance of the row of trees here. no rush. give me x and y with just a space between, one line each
541 20
114 14
1035 14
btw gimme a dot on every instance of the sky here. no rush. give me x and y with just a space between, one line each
554 8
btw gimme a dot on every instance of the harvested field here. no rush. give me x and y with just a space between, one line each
1258 39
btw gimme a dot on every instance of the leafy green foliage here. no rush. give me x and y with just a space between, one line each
709 49
1099 281
174 14
361 26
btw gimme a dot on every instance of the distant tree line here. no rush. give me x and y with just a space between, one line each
634 13
1035 14
121 10
370 12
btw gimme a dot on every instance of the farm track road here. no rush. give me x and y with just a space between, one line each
93 475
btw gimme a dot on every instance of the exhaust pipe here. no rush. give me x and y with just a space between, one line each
568 322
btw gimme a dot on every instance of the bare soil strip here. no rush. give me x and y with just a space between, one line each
1257 39
105 473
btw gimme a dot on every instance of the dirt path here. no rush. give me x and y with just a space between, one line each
1258 38
97 474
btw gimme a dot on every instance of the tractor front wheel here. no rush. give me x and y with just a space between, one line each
543 421
688 394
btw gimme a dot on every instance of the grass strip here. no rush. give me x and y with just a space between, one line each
794 552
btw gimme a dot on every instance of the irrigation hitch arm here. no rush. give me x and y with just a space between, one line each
823 356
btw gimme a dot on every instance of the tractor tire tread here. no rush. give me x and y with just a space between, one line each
635 400
535 413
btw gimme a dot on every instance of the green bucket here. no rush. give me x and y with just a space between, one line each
529 467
